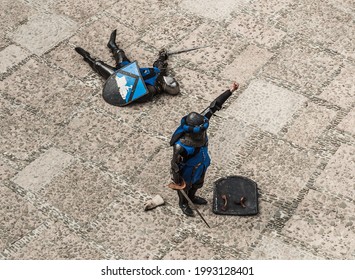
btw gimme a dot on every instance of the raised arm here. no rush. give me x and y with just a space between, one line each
217 104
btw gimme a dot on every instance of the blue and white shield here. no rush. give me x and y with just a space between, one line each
124 86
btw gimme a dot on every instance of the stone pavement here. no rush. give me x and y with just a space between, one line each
75 172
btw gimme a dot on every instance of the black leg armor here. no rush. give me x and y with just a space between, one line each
192 192
103 69
118 54
98 66
184 205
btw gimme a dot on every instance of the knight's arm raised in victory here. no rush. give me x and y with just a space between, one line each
217 104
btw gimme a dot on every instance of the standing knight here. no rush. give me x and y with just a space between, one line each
190 153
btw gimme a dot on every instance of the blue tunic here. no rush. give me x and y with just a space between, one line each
149 75
195 167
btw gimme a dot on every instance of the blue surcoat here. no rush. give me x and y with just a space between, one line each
150 75
194 167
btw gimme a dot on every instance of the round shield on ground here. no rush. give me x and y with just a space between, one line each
235 195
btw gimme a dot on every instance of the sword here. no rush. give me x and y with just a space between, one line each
186 50
192 205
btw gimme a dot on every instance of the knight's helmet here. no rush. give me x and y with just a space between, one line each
194 125
170 85
195 119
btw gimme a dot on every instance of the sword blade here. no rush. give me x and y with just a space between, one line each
193 206
186 50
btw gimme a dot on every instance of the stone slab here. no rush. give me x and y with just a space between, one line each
43 31
222 47
11 56
81 191
127 14
64 102
40 172
104 140
338 177
6 171
303 66
129 156
213 9
224 147
348 123
321 23
56 94
3 42
191 249
168 32
268 9
40 5
198 84
81 10
256 28
341 91
96 127
245 66
89 131
12 13
138 234
33 77
57 243
266 105
313 120
155 176
325 25
345 44
272 166
325 223
18 217
272 248
21 132
346 5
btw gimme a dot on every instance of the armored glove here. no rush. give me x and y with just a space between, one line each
163 54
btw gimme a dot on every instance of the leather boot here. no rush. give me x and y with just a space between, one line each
118 53
112 42
85 55
194 198
184 205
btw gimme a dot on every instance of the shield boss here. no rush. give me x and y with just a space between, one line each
235 195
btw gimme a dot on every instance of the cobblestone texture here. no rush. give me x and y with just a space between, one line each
75 171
